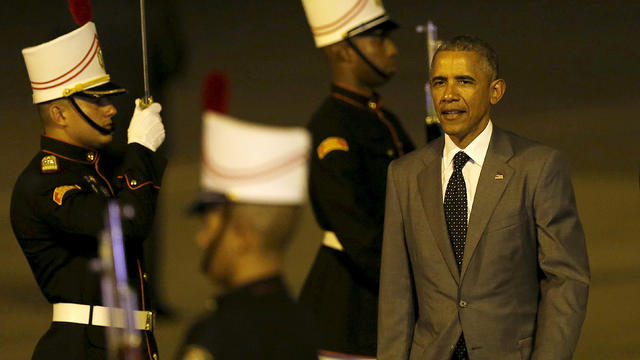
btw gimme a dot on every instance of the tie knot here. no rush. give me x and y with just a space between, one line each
459 160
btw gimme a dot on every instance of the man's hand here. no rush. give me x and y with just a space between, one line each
146 126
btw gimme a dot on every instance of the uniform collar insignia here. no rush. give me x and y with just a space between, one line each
355 96
49 164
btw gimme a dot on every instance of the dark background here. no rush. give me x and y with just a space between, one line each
572 71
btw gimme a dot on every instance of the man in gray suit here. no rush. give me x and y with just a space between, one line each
483 254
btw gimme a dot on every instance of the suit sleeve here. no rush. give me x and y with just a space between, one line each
82 209
396 312
340 202
562 257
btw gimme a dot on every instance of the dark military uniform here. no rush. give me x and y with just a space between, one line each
257 321
57 212
355 140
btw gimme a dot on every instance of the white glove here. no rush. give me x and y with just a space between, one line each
146 126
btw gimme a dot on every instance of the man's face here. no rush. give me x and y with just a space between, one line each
381 51
219 247
100 110
463 92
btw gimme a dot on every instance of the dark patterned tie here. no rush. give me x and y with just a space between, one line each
455 214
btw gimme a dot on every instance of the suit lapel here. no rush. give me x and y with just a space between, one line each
494 178
430 185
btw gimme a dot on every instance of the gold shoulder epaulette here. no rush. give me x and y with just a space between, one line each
58 193
331 144
49 164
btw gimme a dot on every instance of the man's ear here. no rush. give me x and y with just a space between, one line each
339 52
497 89
58 114
243 237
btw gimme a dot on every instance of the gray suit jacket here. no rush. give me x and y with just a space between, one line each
522 292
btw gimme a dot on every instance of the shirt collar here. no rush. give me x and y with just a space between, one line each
477 149
255 290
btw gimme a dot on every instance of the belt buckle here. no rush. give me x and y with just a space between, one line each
150 321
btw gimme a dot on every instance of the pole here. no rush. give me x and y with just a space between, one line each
147 99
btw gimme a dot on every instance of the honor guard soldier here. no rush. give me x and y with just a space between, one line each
250 204
58 202
354 139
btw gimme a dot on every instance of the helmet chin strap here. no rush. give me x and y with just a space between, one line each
100 129
213 246
366 60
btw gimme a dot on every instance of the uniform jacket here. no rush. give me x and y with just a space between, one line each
57 212
347 190
258 321
522 291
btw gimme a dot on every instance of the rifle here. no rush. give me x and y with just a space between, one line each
432 123
123 339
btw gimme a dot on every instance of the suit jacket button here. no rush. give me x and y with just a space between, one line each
463 304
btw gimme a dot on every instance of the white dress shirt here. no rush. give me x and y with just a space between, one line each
476 150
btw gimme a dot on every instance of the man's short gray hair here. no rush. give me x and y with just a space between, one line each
475 44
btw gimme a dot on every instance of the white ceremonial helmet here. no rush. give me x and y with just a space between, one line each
69 64
332 21
251 163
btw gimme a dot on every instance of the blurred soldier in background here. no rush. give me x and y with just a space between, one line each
354 140
58 201
250 204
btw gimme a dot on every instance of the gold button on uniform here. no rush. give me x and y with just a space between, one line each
91 156
372 105
155 357
145 276
133 182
